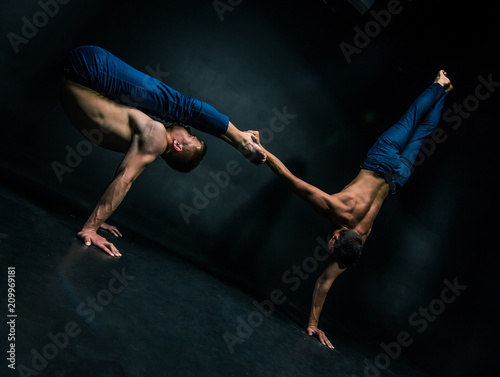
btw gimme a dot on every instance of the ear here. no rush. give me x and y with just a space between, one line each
177 145
332 240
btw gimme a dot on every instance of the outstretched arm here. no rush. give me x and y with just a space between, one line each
319 200
321 289
129 169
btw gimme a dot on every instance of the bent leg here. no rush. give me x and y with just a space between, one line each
103 72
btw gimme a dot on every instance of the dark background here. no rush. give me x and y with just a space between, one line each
261 57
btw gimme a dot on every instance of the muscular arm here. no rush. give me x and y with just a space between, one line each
321 289
319 200
134 162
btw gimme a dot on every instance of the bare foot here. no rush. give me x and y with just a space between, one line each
444 81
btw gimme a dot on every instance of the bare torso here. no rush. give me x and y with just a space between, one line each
361 201
111 124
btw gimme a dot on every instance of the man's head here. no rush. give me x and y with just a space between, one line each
345 247
185 151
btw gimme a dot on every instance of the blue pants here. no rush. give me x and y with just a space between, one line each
394 153
103 72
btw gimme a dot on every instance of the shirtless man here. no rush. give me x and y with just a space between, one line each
352 211
108 101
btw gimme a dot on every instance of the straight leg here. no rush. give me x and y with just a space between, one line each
399 135
424 129
394 153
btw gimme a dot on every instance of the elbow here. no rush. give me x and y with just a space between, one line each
125 184
125 178
322 282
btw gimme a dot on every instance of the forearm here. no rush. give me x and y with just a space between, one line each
278 167
108 203
227 140
318 199
319 296
232 135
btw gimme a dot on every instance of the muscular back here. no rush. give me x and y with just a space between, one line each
361 201
116 124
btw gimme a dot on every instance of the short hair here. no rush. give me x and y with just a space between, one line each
347 248
186 160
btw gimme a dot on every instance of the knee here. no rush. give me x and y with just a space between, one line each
405 171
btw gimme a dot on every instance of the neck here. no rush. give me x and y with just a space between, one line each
169 139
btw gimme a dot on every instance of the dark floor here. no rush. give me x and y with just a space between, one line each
148 313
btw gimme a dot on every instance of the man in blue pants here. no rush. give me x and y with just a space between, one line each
352 211
111 104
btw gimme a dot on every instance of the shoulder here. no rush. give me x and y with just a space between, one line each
341 208
152 134
345 200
